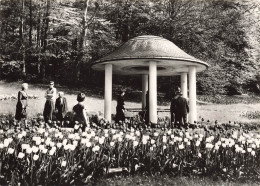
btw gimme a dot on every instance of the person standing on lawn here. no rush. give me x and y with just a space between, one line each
146 114
180 109
49 106
61 107
79 111
120 109
22 104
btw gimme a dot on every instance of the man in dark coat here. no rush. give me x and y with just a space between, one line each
146 114
120 109
179 109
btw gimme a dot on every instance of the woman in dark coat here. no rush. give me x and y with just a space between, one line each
79 111
22 103
120 109
61 107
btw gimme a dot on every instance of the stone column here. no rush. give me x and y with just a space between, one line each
184 85
144 90
192 94
153 91
108 92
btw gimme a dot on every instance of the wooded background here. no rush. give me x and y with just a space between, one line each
43 40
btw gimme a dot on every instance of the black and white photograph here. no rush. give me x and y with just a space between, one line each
130 92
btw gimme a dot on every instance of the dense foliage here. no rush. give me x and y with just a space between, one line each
39 154
58 40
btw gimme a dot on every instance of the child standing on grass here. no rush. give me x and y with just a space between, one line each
61 107
22 104
80 111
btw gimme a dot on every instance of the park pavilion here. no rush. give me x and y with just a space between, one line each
151 56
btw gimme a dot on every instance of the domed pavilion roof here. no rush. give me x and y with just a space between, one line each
133 57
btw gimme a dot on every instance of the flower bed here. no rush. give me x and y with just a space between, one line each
55 156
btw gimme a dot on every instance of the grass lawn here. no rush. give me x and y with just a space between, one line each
94 102
167 180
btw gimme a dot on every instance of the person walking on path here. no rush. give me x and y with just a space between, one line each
120 109
22 104
49 106
180 110
79 111
61 107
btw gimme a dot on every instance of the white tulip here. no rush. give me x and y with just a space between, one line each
23 133
6 143
1 145
75 143
29 150
71 136
112 143
59 145
181 146
44 151
63 163
21 155
135 143
35 149
51 152
152 141
88 144
64 142
19 136
41 147
66 147
72 147
164 147
35 157
253 153
10 150
164 139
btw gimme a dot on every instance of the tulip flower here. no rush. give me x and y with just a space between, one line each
51 152
88 144
10 151
135 143
63 163
112 143
21 155
35 157
44 151
35 149
59 145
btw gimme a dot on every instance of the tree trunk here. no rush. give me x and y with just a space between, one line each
30 30
45 35
22 37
